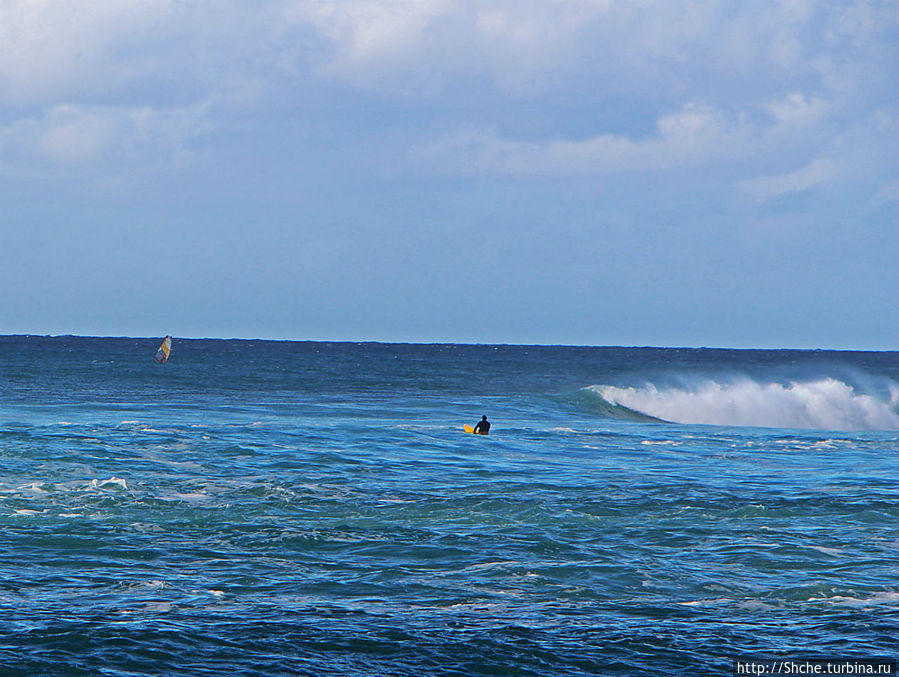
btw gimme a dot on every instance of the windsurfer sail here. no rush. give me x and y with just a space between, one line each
165 349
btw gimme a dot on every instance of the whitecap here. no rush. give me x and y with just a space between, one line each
820 404
712 601
877 599
151 584
833 552
115 481
195 497
491 565
34 486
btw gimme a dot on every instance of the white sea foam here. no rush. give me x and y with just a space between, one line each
877 599
194 497
150 584
711 602
822 404
35 487
115 481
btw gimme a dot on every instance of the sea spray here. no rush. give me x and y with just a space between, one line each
822 404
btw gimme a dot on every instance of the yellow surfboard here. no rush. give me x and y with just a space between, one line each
467 428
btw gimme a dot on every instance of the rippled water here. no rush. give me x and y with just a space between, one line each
302 508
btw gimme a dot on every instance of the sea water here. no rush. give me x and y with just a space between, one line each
299 508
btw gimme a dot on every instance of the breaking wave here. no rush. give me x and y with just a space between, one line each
820 404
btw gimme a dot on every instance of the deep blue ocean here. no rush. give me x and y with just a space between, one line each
300 508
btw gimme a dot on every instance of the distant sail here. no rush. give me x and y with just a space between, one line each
162 355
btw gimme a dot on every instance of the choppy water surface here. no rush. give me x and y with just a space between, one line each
308 508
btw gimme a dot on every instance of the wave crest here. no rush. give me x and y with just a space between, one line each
822 404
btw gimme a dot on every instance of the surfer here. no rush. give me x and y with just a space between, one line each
483 427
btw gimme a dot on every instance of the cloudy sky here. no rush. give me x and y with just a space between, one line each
603 172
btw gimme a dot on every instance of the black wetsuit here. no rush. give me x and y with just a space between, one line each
483 427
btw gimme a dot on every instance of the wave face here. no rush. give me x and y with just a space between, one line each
819 404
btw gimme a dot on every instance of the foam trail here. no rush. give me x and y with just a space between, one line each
823 404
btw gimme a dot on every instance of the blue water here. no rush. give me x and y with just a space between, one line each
277 508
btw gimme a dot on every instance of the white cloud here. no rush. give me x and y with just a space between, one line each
725 53
820 172
653 48
781 146
418 46
66 139
722 80
445 50
366 31
52 49
797 110
71 135
691 137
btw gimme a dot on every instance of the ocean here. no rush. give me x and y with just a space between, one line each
303 508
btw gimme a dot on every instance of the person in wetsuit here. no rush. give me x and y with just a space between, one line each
483 426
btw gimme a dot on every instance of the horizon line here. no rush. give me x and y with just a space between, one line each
451 343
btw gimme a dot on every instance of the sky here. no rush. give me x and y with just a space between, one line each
590 172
